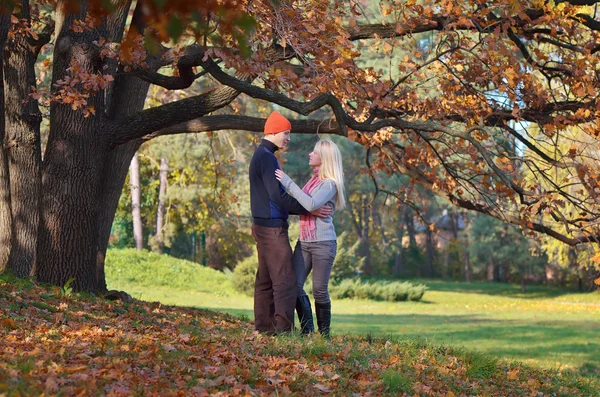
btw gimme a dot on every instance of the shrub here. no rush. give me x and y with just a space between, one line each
244 275
392 291
347 263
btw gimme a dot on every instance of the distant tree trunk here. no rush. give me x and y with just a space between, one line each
379 219
364 250
412 239
399 260
136 201
5 205
523 284
446 263
360 221
466 257
491 271
160 212
467 265
23 119
430 252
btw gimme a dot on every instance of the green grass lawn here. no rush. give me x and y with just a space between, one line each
546 327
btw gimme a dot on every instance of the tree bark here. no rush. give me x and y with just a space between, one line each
23 119
127 96
113 178
5 205
73 163
136 201
160 212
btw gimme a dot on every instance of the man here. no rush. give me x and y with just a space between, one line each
275 286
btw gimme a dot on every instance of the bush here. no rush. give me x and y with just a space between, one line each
347 263
125 267
392 291
244 275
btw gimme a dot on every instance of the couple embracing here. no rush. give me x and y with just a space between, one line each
279 285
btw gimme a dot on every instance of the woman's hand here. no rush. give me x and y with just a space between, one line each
279 175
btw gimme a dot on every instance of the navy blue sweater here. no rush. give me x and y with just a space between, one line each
269 202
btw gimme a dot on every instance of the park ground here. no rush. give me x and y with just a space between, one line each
58 343
460 340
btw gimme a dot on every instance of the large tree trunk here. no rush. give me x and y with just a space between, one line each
5 207
136 201
23 120
82 174
127 97
115 172
160 212
73 163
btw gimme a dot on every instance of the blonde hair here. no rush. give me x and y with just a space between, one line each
332 168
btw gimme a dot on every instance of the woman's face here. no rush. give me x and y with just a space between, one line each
314 160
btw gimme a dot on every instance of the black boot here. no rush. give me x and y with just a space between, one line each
305 314
323 318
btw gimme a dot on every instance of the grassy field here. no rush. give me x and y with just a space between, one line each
546 327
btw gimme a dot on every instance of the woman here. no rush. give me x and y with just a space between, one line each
317 246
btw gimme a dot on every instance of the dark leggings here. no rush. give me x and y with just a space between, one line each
317 256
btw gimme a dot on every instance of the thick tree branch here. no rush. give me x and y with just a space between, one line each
588 21
361 32
304 108
154 119
185 79
439 23
245 123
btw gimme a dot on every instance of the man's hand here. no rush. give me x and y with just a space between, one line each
323 212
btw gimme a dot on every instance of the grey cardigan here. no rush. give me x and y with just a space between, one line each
324 193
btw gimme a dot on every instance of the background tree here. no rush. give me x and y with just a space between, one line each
136 201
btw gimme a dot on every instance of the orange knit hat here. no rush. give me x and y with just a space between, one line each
276 123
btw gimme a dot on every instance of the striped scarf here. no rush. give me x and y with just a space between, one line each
308 225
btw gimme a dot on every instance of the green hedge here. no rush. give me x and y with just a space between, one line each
393 291
125 267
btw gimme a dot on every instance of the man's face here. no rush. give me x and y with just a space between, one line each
281 139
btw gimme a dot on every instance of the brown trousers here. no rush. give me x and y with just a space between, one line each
275 286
